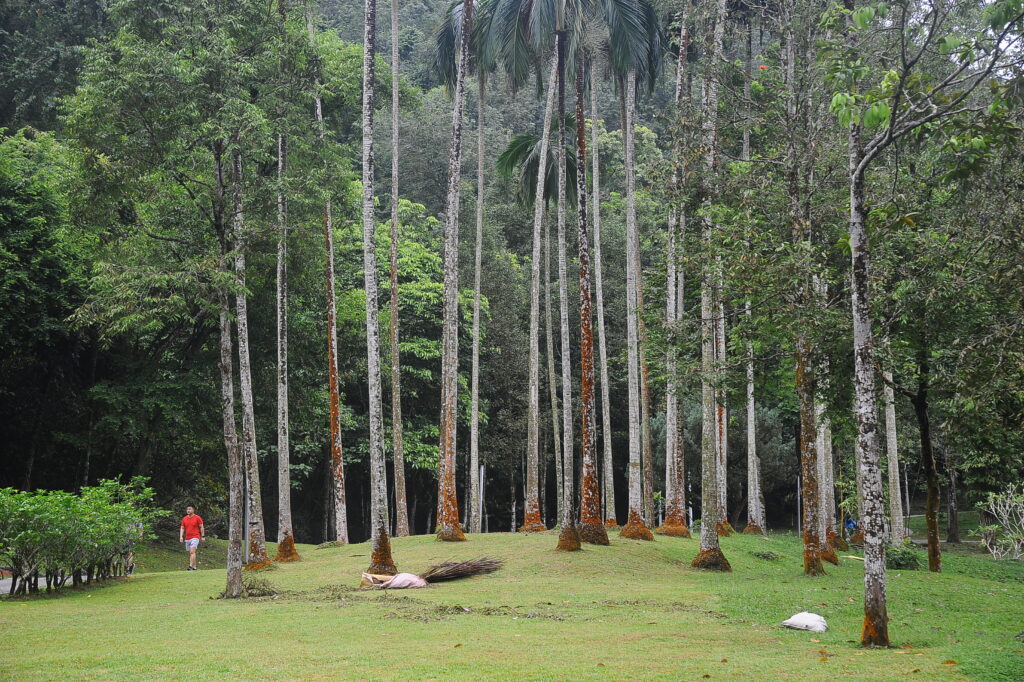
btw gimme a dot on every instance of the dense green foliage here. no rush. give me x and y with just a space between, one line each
59 536
112 231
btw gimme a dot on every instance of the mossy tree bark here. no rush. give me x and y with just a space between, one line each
635 526
532 520
257 549
397 436
381 562
592 528
448 527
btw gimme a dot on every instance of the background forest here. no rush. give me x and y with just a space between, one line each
120 116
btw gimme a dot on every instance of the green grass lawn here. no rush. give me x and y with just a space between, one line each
631 610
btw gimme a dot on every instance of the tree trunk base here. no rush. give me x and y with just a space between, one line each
838 542
533 527
724 529
635 528
611 524
812 562
857 538
594 533
828 553
874 633
569 540
673 528
286 551
451 533
381 562
258 565
712 560
753 529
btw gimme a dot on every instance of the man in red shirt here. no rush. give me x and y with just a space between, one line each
191 533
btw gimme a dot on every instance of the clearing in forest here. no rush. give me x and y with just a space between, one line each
630 610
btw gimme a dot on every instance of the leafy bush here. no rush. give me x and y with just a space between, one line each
903 557
1005 538
60 536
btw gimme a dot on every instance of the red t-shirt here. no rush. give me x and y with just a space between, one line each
191 525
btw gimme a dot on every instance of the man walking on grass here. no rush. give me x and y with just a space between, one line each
191 533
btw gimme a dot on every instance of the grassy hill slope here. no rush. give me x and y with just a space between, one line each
633 609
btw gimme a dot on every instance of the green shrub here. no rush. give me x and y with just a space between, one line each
903 557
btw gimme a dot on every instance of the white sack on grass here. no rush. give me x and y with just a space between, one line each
806 621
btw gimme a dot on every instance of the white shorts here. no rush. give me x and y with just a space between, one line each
191 544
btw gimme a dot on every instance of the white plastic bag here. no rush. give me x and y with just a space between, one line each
806 621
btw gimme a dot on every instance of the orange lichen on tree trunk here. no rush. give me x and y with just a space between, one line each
875 632
753 529
611 524
381 562
828 553
812 555
857 538
532 521
635 528
724 529
254 550
286 550
712 560
673 528
568 539
837 541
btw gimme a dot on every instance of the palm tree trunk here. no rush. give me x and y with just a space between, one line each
285 538
474 424
337 466
448 527
257 550
897 527
675 499
635 526
808 457
755 504
721 411
592 528
568 516
532 520
397 439
380 557
931 505
602 342
556 428
710 555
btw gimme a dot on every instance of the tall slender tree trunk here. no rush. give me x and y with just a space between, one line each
337 466
952 516
397 439
646 440
710 556
257 550
610 520
896 524
592 528
931 505
808 457
875 631
532 520
721 410
474 423
448 526
675 500
380 557
556 427
285 538
635 526
823 456
236 470
755 505
569 536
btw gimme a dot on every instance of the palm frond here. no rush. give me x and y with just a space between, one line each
451 570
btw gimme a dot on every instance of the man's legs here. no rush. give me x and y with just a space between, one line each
192 545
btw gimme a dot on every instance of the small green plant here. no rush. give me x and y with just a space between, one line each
330 544
903 557
1005 538
258 587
